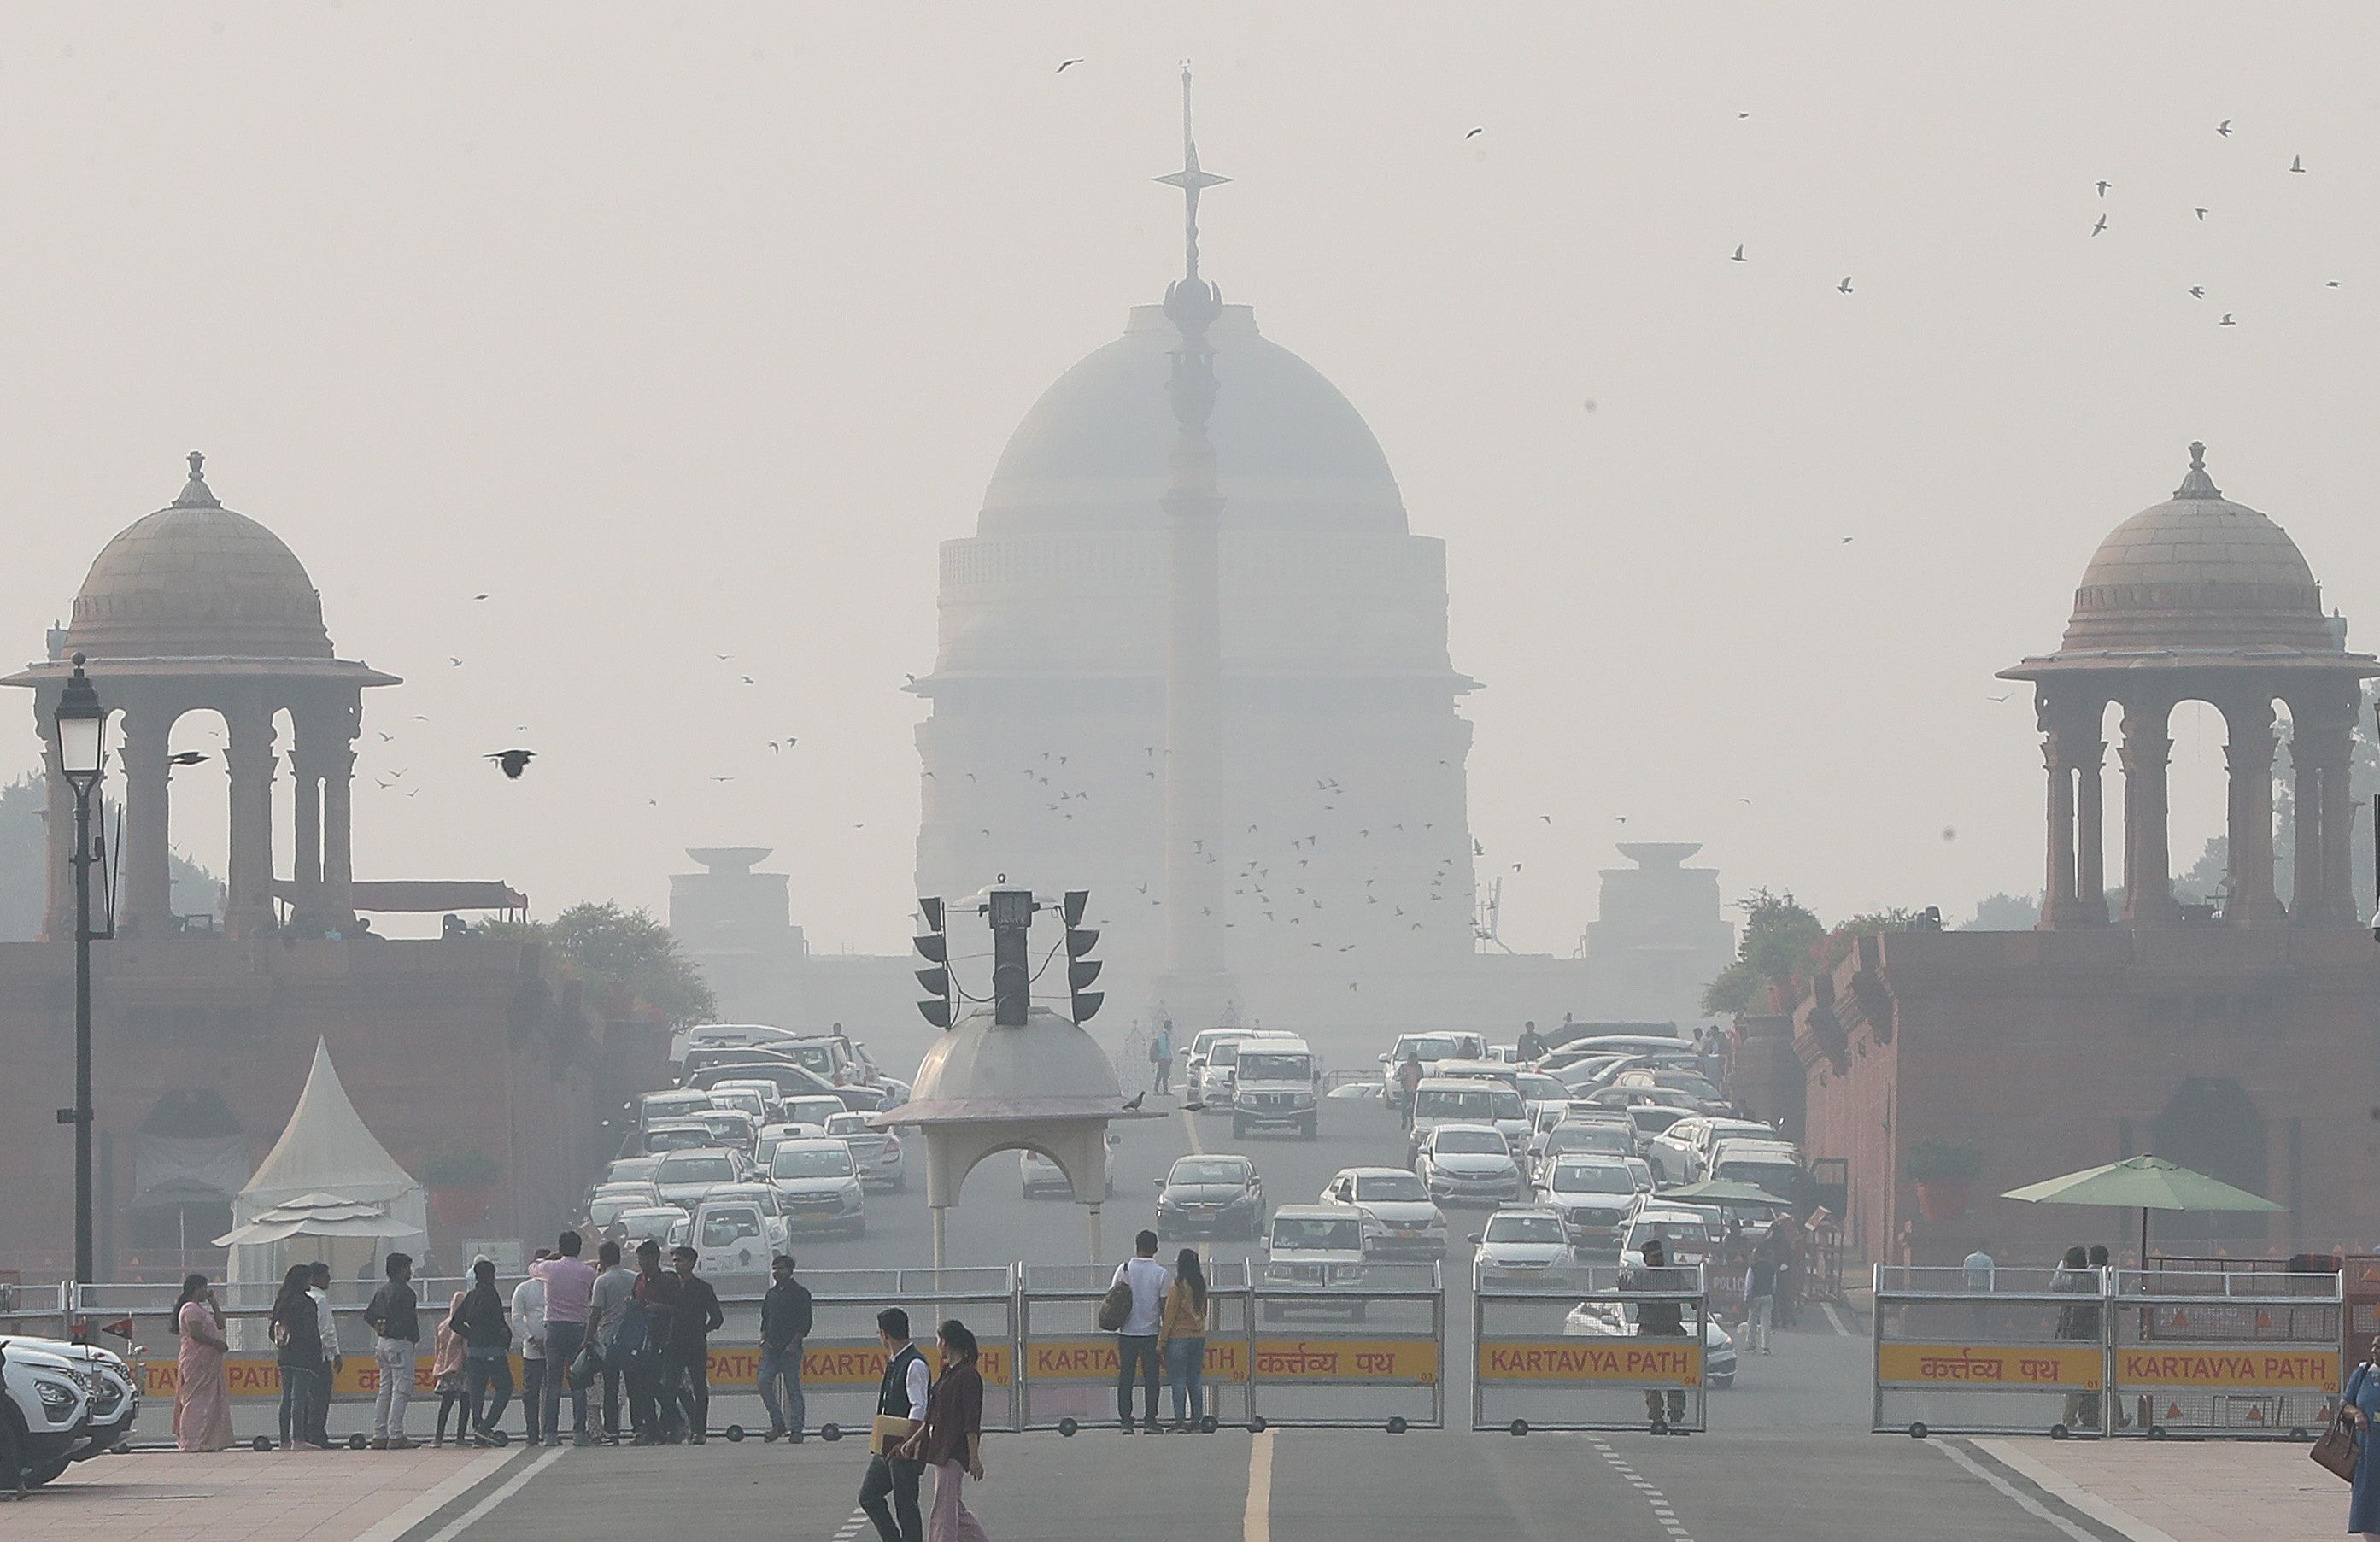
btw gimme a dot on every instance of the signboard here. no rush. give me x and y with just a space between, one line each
2308 1370
1095 1359
848 1364
2050 1367
1400 1360
1657 1362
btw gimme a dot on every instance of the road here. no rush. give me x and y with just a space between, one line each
1787 1454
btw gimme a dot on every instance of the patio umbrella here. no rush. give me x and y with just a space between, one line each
1724 1191
2148 1183
320 1215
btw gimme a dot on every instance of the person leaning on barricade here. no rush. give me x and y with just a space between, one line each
1661 1319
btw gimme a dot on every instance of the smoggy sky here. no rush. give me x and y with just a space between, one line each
682 332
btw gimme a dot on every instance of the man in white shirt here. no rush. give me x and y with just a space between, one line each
528 1331
318 1416
1978 1267
1136 1340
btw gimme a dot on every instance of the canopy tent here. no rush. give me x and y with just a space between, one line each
326 1155
320 1215
2146 1183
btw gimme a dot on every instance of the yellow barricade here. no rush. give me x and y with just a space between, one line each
2046 1367
1630 1362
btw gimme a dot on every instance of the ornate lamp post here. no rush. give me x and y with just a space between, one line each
81 724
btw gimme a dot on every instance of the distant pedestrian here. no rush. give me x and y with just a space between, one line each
1408 1078
1978 1271
1532 1046
395 1318
569 1283
1786 1243
447 1372
951 1441
615 1287
686 1363
318 1416
1136 1340
784 1325
650 1391
201 1393
1181 1338
889 1492
2091 1330
529 1333
297 1356
487 1337
1660 1319
1759 1298
1161 1054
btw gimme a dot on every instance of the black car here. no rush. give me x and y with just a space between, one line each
1210 1195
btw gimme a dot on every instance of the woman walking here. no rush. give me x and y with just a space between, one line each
951 1440
447 1373
201 1394
1181 1340
297 1335
2359 1404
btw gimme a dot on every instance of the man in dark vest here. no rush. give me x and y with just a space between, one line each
902 1395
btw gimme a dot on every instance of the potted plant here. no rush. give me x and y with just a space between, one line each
1945 1176
459 1184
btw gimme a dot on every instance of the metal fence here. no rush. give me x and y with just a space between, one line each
2225 1353
1571 1349
1997 1352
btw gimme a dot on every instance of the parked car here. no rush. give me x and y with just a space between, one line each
1037 1175
1468 1164
1594 1196
1687 1236
877 1151
1606 1319
685 1177
732 1128
611 1200
737 1232
818 1182
1277 1085
1523 1241
1191 1072
1772 1166
1595 1134
813 1109
1355 1090
1309 1250
791 1078
1218 1196
1217 1077
750 1097
624 1169
655 1107
1399 1219
765 1144
46 1400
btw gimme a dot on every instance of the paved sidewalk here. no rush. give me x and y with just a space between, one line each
243 1496
2186 1491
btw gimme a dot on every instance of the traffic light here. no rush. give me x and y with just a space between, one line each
935 946
1012 972
1081 971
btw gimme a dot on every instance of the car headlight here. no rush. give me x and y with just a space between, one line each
57 1401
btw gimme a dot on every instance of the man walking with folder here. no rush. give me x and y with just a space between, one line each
900 1409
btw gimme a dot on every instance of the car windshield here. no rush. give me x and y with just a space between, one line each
1525 1228
1427 1049
1447 1103
1388 1187
677 1106
813 1111
727 1122
1672 1230
1470 1141
1582 1178
680 1140
810 1162
698 1168
1589 1137
1507 1104
1276 1067
1538 1089
1208 1170
726 1228
605 1210
1768 1177
1294 1233
633 1167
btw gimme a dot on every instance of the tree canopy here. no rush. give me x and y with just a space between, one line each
611 945
1780 937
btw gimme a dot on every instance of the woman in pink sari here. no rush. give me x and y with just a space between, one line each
202 1395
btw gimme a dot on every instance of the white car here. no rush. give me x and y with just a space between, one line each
1037 1175
818 1183
685 1178
1605 1319
1687 1236
1309 1249
1594 1196
1451 1101
738 1229
1523 1241
1399 1219
877 1151
1679 1153
50 1400
1430 1048
663 1223
1468 1164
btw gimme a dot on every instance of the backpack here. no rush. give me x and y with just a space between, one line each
635 1347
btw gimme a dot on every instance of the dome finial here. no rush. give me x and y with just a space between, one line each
2197 483
194 492
1192 303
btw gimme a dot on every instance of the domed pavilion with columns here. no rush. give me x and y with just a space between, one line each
2234 1037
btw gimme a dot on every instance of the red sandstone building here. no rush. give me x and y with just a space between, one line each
2241 1039
204 1026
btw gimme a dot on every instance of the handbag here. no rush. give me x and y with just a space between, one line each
584 1367
1115 1307
2335 1448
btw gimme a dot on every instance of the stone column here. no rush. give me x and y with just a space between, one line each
2070 752
148 879
2089 837
248 756
306 863
2250 754
338 768
2323 749
2148 861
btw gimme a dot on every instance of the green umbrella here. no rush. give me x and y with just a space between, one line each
1724 1191
2147 1183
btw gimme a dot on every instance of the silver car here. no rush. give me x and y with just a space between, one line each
877 1151
1468 1164
818 1182
684 1178
1399 1219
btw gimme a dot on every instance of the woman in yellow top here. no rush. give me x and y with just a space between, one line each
1181 1338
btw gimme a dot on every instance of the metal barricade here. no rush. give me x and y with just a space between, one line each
2016 1350
1567 1349
1376 1327
1066 1372
2226 1353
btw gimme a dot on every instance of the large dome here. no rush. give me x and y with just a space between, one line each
2198 571
1291 453
197 580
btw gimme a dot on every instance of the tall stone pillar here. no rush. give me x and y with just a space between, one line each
248 756
147 876
306 861
2149 860
338 851
2072 752
2249 756
2089 837
2322 749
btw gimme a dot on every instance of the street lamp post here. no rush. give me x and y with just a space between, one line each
82 757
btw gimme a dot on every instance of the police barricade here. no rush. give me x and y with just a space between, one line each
1347 1346
2006 1350
1593 1347
2225 1353
1067 1370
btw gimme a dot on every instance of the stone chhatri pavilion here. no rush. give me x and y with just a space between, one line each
2236 1038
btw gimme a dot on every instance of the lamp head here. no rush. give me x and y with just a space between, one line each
81 730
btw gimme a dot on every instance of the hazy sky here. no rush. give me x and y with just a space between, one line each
690 331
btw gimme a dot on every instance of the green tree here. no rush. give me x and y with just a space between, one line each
1780 939
609 945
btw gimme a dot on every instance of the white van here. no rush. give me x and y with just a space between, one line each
1468 1101
1430 1048
1312 1248
1276 1085
1214 1062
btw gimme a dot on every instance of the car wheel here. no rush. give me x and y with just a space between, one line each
1722 1381
36 1476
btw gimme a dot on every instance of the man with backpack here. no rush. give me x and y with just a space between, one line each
1140 1288
615 1289
685 1359
645 1327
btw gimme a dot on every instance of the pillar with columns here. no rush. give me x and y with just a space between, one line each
2249 757
2072 753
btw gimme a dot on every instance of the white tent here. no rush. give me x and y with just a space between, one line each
326 1154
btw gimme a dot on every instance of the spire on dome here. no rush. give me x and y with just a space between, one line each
194 492
1191 304
2196 483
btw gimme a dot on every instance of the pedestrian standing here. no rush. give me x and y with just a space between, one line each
528 1331
201 1393
1759 1298
951 1441
298 1355
784 1325
889 1492
487 1353
447 1371
615 1287
689 1345
395 1318
1660 1319
1532 1045
569 1296
1161 1054
1181 1340
1136 1340
318 1419
651 1393
1408 1078
1977 1269
2359 1401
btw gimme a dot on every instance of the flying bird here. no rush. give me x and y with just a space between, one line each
456 661
2224 129
189 758
2100 227
1475 133
2227 321
1738 255
2104 186
1060 70
2296 164
747 679
479 597
1845 286
2332 284
2202 214
1548 818
2197 292
513 761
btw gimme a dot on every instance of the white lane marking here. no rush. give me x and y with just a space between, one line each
430 1501
1653 1496
1255 1525
1836 1317
2030 1506
2073 1493
1190 1123
851 1527
512 1486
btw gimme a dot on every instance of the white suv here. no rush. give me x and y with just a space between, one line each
45 1403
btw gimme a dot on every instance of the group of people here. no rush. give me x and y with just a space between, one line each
924 1421
1165 1326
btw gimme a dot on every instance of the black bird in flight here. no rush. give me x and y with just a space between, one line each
513 761
2224 129
1475 133
189 757
1061 68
